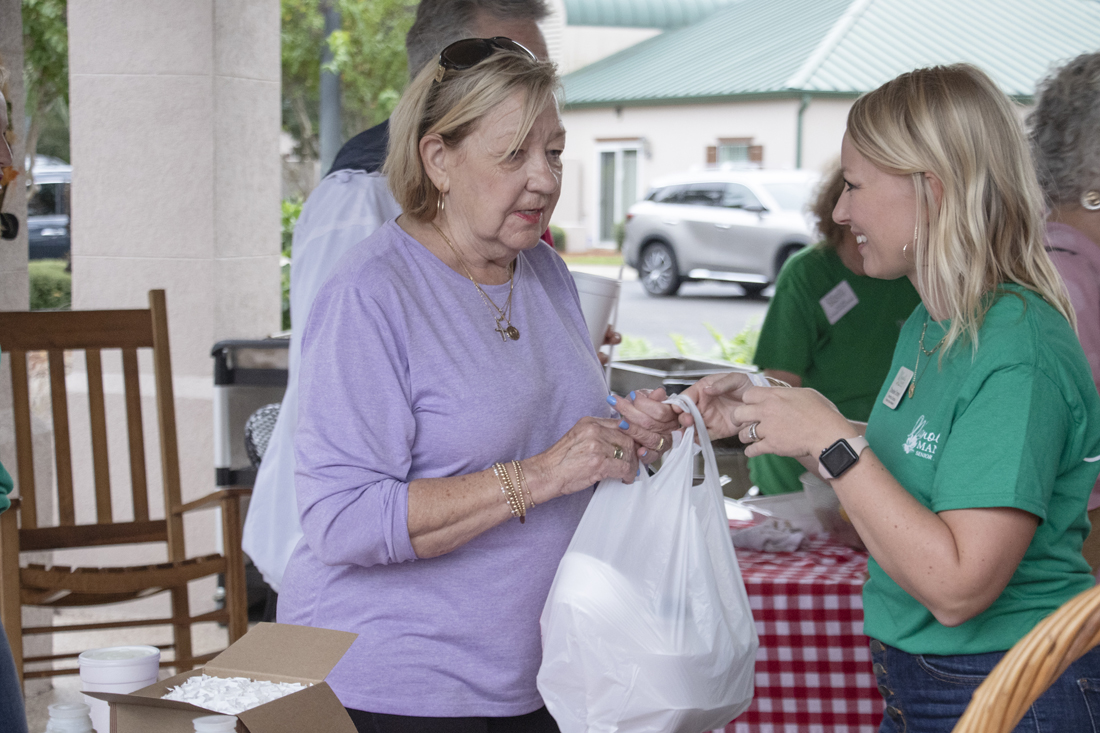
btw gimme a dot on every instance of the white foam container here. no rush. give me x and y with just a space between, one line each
119 669
598 297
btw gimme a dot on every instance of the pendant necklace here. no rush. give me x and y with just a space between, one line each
504 315
920 348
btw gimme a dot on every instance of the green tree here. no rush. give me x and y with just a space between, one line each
45 68
368 53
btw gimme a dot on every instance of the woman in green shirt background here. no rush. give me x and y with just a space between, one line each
830 327
985 438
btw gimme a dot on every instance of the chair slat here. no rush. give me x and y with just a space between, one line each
24 438
105 329
166 423
92 535
98 414
63 461
136 437
133 579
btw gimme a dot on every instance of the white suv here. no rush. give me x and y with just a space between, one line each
730 226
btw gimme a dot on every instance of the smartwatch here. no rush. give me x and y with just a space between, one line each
840 456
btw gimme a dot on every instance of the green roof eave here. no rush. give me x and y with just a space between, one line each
709 99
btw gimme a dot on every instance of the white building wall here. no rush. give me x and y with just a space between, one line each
823 127
572 46
584 45
676 139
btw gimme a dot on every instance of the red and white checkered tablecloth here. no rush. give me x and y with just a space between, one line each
813 668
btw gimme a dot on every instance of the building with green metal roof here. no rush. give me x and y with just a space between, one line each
769 82
663 14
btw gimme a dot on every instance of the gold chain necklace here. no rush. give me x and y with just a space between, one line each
916 367
503 315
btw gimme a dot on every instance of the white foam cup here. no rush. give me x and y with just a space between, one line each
118 669
598 296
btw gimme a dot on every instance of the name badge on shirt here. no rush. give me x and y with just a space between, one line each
897 388
838 301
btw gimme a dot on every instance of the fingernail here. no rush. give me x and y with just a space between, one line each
645 452
624 425
632 395
611 399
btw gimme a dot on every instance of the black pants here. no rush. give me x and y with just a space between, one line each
539 721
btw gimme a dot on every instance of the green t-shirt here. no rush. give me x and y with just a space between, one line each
1014 425
846 359
6 486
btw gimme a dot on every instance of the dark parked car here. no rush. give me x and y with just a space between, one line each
48 209
728 226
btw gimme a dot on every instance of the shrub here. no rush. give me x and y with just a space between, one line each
738 349
51 285
558 235
292 209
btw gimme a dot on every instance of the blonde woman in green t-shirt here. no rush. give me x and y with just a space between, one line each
829 327
984 441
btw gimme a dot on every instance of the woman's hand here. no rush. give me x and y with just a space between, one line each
592 450
788 422
717 396
647 420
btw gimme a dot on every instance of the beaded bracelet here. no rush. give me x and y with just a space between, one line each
523 482
515 500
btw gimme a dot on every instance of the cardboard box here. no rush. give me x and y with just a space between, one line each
273 652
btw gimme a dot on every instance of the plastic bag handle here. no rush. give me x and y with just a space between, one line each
710 464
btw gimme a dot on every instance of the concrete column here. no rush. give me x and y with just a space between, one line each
175 119
14 286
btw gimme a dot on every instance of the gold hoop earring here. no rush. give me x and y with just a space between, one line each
440 205
1091 200
914 243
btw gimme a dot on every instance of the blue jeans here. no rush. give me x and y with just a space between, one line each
13 718
926 693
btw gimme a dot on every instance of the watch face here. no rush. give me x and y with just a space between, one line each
838 458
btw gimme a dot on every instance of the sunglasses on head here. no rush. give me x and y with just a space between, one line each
470 52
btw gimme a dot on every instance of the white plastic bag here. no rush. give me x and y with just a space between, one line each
647 628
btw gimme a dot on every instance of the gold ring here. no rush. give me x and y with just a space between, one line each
619 453
661 444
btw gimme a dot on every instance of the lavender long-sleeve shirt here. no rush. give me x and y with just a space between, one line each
1078 261
404 377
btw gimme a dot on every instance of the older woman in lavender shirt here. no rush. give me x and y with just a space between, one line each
454 417
1065 141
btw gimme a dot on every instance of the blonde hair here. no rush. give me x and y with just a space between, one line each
953 122
452 109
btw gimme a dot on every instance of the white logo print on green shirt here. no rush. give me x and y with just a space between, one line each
921 441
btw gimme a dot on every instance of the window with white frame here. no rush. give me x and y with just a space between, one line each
619 166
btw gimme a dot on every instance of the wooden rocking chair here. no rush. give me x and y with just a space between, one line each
24 528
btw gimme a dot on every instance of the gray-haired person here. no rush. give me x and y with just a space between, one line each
350 203
1065 142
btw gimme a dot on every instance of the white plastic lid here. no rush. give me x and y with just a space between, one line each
215 724
115 655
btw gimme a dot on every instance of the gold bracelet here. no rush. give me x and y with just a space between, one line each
515 502
517 494
498 471
523 482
